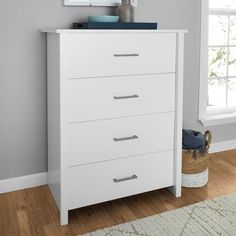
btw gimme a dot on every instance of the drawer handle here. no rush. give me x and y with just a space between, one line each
126 138
126 97
125 179
126 55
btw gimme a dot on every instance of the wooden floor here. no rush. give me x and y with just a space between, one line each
33 211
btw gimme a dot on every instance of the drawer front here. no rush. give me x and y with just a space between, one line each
91 142
93 99
100 182
116 54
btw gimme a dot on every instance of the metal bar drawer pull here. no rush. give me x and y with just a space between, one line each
126 138
126 97
126 55
125 179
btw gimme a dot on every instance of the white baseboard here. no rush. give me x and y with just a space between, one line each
223 146
23 182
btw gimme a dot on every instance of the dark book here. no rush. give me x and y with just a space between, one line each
116 25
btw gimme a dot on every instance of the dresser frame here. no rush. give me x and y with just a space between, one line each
57 161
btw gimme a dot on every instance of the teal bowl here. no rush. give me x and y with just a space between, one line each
103 18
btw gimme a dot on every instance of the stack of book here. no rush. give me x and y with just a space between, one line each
116 25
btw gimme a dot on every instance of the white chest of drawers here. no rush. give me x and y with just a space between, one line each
114 114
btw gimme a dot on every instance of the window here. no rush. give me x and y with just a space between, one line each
218 62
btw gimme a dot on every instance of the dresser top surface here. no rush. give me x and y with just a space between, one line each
62 31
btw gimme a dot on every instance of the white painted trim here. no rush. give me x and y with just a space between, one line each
223 146
222 11
23 182
203 93
176 189
218 119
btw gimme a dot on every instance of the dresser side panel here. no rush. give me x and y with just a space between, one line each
176 189
53 110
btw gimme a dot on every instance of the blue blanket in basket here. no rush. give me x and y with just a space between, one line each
194 140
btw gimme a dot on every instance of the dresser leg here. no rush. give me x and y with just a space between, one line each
64 217
175 190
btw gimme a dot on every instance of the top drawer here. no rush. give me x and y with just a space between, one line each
106 54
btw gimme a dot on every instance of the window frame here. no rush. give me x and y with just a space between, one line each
215 116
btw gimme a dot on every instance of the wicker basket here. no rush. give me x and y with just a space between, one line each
195 165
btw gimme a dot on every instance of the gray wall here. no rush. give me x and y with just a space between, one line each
23 80
185 14
23 72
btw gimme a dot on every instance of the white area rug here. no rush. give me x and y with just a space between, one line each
211 217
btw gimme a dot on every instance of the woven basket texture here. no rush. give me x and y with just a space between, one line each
195 162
